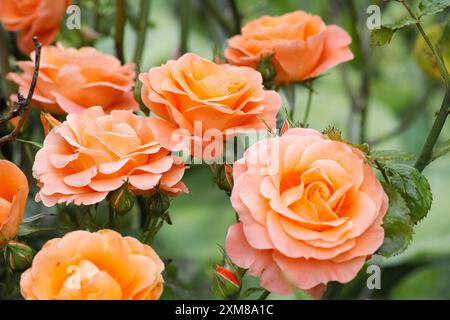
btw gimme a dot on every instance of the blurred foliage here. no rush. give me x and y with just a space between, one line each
402 96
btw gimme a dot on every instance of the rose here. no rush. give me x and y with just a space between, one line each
94 266
71 80
31 18
302 45
13 199
310 211
223 99
94 153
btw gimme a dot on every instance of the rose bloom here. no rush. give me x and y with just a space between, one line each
13 199
31 18
94 266
302 45
310 209
71 80
93 153
193 92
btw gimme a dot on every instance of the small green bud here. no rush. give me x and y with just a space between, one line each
223 176
19 255
158 203
267 70
122 199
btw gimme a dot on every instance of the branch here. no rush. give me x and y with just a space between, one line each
237 17
22 109
142 32
120 29
212 9
185 25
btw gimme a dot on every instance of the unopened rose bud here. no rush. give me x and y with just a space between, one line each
226 283
122 199
267 70
158 204
223 176
19 255
48 122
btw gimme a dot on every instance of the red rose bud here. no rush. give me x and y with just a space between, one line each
223 176
19 255
284 128
227 275
226 283
122 199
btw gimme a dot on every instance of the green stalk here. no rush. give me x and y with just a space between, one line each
120 29
142 32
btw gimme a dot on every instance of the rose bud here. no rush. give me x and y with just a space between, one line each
122 199
48 122
19 255
226 283
159 203
223 176
267 70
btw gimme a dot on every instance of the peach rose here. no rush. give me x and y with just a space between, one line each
13 199
93 153
310 209
223 99
94 266
302 45
31 18
71 80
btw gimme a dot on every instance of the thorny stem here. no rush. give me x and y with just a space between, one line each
427 150
142 31
22 109
120 29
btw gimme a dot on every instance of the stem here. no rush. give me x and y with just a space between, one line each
264 295
219 16
120 29
111 217
440 63
237 18
142 32
185 24
308 107
427 150
4 66
23 105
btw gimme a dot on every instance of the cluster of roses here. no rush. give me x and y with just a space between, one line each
310 209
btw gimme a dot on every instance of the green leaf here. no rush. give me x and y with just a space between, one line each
33 143
36 217
398 228
413 187
429 7
391 155
441 150
383 36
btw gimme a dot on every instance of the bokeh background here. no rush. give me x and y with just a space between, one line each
402 104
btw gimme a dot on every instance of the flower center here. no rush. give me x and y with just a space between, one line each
80 275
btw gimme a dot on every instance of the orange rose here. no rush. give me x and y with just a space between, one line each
310 209
31 18
71 80
221 98
94 266
302 45
13 199
93 153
